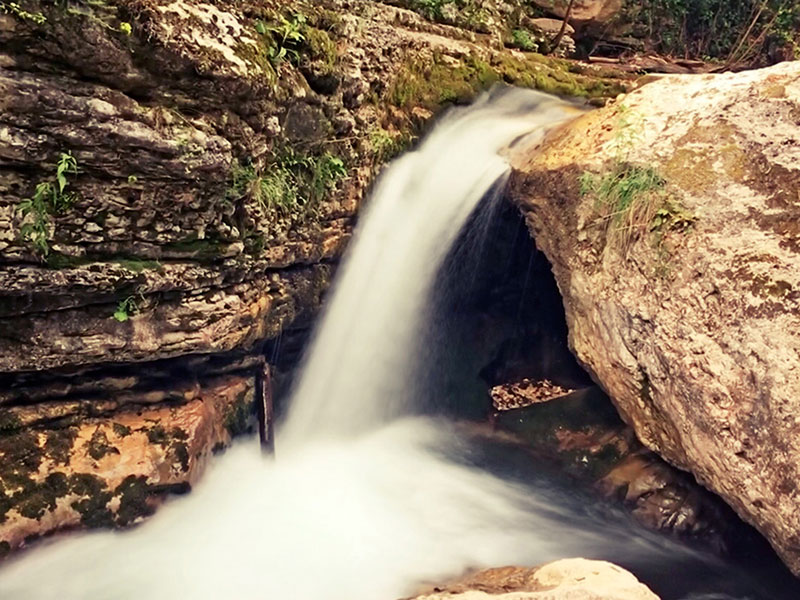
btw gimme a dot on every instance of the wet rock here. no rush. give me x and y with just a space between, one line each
183 132
574 578
581 434
685 309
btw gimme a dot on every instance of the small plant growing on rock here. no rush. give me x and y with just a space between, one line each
287 36
126 309
520 38
49 198
14 9
631 198
297 180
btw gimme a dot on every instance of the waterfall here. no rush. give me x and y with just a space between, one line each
367 499
362 369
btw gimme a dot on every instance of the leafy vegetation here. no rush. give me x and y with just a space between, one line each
14 9
49 198
721 29
291 38
469 12
126 308
521 38
286 36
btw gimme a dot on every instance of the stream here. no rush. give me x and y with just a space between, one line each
368 497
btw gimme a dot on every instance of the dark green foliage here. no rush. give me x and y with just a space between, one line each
721 29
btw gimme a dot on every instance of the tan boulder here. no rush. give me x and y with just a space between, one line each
568 579
683 296
583 11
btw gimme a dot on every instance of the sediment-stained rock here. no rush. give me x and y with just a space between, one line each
670 219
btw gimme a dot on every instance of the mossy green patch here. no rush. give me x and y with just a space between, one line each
99 445
439 79
133 493
238 416
157 435
42 497
93 507
58 444
120 429
9 421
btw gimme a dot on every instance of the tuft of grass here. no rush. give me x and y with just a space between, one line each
298 182
387 145
628 197
631 199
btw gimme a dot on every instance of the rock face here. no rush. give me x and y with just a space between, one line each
584 12
88 462
670 219
177 182
201 182
569 579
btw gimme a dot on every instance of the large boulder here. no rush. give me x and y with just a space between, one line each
584 12
671 221
568 579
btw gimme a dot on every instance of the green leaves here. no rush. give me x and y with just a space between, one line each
126 308
66 164
287 35
48 198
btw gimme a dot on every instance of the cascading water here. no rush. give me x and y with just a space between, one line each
365 500
361 371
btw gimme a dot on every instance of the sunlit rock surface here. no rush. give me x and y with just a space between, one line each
107 458
568 579
683 302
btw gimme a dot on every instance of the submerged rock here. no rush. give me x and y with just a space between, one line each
568 579
670 219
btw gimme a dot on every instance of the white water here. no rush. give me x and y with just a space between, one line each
364 501
361 369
